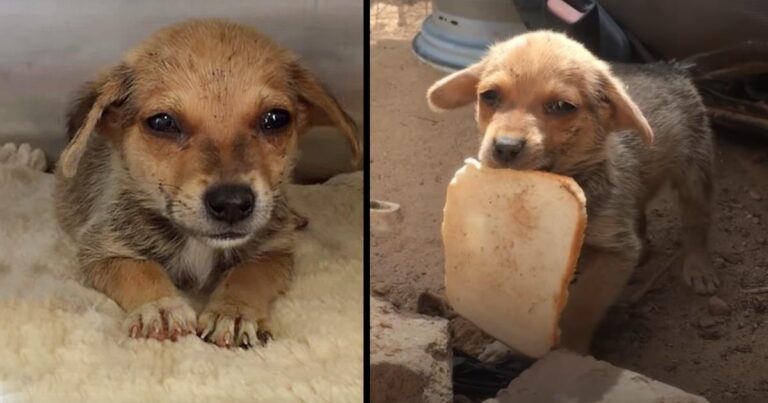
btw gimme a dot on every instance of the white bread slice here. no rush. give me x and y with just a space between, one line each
511 241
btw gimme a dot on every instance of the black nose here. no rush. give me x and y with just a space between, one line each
229 203
505 149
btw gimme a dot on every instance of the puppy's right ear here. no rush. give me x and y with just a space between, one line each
113 87
455 90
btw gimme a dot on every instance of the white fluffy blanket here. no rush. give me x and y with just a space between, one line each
61 342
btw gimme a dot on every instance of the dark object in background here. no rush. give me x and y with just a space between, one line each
733 82
587 22
478 381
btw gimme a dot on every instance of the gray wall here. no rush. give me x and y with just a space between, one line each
49 47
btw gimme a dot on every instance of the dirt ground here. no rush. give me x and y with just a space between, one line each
669 334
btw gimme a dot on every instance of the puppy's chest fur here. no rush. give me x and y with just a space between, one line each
193 263
190 262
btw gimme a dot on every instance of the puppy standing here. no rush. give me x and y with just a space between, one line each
543 102
173 175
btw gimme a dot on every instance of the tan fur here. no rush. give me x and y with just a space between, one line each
633 130
132 198
245 292
132 283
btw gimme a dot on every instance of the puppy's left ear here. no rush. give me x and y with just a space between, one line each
456 90
625 113
323 109
87 111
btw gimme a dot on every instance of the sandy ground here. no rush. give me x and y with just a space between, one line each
670 334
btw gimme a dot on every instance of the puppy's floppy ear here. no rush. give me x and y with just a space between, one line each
323 109
455 90
625 113
88 109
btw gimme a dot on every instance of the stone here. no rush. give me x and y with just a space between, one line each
718 307
410 357
563 376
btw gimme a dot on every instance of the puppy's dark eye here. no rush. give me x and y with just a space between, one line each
163 123
491 98
275 120
559 108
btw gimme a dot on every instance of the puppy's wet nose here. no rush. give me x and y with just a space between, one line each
229 203
506 149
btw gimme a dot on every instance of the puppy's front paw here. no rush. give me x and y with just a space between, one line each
699 274
166 318
494 353
229 324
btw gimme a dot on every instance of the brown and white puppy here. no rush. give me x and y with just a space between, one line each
173 174
544 102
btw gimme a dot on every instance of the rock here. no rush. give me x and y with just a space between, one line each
710 334
718 307
705 323
385 216
754 195
562 376
431 304
410 357
381 289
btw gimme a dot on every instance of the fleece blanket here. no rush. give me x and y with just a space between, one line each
62 342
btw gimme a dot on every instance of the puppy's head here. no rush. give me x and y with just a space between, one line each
206 116
543 102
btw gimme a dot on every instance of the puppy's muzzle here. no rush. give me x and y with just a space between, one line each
229 203
506 149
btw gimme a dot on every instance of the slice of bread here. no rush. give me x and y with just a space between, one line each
512 240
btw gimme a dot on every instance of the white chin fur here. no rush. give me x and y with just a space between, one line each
228 243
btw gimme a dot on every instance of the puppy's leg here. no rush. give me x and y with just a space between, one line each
602 276
695 190
141 288
240 304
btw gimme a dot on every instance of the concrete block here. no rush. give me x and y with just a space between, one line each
410 357
566 377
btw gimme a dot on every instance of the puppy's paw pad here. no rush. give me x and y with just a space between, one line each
23 155
166 318
700 276
495 352
228 327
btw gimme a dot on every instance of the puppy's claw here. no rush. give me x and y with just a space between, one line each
206 325
264 336
134 332
228 325
698 274
156 319
245 333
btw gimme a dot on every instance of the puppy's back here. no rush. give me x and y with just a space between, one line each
664 92
666 95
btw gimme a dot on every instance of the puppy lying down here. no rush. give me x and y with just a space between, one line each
622 132
172 179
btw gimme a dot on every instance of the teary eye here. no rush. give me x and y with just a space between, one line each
163 123
274 120
559 108
491 98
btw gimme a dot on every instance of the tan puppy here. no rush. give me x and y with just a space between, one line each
173 176
546 103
